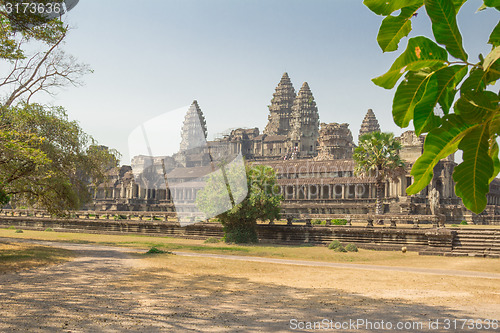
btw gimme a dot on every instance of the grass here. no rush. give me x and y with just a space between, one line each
305 252
19 256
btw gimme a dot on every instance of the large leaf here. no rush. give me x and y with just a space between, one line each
493 152
475 107
440 87
491 58
495 36
387 7
407 96
394 28
421 52
458 4
424 118
444 26
448 79
492 3
472 175
439 143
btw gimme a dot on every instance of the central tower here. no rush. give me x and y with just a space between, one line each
281 108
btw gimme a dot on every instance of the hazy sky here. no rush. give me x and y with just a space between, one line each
154 56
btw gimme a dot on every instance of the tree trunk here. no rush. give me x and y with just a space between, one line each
380 195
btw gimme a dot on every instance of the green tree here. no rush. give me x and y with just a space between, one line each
47 161
432 77
262 201
378 156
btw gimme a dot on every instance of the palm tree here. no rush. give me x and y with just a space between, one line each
378 156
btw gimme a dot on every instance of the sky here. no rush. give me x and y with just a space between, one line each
153 56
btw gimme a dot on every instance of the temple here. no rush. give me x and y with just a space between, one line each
313 163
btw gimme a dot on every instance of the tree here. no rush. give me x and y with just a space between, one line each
262 202
43 70
378 156
427 95
47 161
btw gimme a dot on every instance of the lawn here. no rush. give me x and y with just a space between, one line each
313 253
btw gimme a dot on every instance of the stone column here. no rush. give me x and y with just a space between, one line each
343 191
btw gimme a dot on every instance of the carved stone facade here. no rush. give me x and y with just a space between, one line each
335 142
314 167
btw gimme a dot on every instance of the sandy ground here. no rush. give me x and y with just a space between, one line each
108 289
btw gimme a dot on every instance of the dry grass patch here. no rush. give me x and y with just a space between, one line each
18 256
313 253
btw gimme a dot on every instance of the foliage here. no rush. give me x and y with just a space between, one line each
339 221
12 227
49 229
261 201
351 248
19 231
46 160
432 77
378 156
318 222
155 250
464 222
334 244
31 45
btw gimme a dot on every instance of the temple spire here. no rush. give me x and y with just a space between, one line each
194 128
280 110
305 122
369 124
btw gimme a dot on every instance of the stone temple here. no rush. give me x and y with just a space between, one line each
313 162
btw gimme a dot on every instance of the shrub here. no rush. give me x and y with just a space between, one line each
334 244
19 231
464 222
351 248
120 217
454 225
340 249
49 229
11 227
155 250
317 221
212 240
339 221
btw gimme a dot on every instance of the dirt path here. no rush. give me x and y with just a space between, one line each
105 289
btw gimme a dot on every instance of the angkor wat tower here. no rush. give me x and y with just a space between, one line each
304 131
369 124
194 129
281 108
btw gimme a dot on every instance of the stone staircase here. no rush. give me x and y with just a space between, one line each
476 243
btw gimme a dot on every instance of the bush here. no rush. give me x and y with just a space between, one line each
334 244
11 227
155 250
454 225
340 249
49 229
351 248
317 222
120 217
464 222
19 231
212 240
339 221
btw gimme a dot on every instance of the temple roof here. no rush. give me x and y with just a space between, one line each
369 124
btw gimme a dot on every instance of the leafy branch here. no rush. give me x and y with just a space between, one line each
433 72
